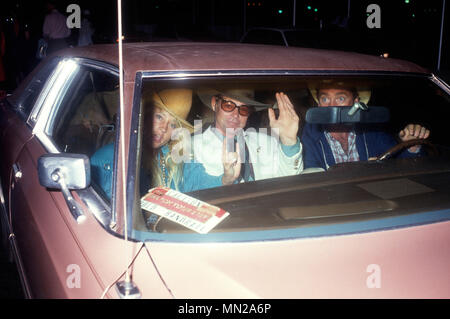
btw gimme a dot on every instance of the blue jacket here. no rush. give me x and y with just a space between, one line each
102 168
194 175
369 143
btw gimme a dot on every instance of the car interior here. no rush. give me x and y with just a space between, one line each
408 100
86 118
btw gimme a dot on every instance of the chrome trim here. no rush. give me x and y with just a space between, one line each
43 96
214 73
37 82
128 290
20 268
64 73
133 203
75 209
99 65
46 142
4 220
284 39
441 83
12 245
17 171
97 206
94 202
74 82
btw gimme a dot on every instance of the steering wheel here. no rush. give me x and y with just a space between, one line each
432 149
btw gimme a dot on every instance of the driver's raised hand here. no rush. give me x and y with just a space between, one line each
411 132
287 122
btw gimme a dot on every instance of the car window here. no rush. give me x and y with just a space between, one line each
86 120
251 204
26 101
264 37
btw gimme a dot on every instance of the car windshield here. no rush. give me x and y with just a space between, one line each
336 189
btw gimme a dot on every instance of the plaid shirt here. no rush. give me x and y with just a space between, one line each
338 152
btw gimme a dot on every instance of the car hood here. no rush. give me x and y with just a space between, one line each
379 234
410 262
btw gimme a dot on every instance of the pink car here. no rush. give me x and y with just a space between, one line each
377 227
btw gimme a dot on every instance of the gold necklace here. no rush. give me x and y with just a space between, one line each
162 161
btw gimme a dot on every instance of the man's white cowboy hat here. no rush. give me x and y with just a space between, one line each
245 96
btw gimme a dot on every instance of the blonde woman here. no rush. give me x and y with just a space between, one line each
164 157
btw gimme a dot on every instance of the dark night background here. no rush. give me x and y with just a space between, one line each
410 30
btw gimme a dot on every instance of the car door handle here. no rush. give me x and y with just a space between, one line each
17 172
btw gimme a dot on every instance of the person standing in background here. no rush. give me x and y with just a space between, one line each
86 30
55 30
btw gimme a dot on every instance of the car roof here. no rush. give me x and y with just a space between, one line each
191 56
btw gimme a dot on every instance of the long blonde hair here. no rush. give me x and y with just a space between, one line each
152 158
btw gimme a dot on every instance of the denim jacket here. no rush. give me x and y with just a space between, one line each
194 174
369 143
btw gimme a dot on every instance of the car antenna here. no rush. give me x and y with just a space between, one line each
126 289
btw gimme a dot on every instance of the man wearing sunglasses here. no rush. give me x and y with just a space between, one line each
259 154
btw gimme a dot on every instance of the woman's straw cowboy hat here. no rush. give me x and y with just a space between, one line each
177 102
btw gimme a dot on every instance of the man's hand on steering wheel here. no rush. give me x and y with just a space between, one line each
411 132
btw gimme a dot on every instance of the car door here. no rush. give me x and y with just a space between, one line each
50 256
13 137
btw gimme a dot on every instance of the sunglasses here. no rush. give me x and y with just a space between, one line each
229 106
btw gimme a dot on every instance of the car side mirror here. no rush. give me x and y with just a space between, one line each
66 172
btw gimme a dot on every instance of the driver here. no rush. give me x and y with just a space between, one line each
326 145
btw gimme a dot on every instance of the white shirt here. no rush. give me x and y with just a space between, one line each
55 26
266 155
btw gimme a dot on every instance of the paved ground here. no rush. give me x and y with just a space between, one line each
10 287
